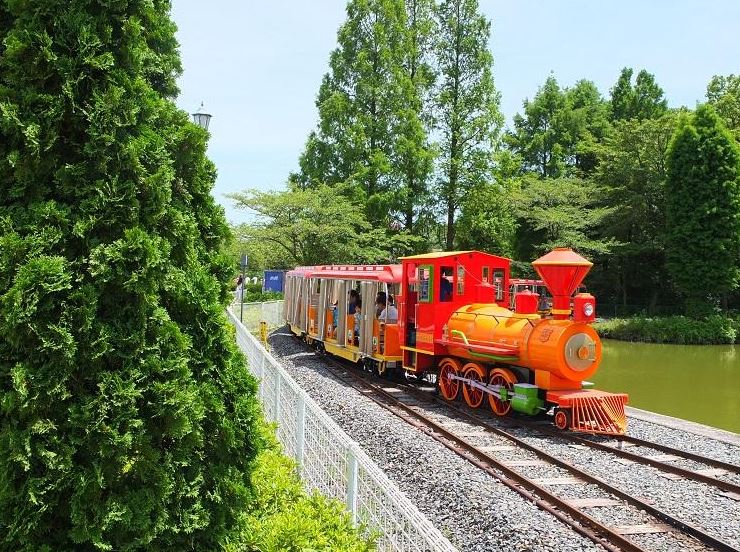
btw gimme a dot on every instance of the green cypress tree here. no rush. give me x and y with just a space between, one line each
703 210
127 418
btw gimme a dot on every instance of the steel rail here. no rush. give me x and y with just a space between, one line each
659 464
733 468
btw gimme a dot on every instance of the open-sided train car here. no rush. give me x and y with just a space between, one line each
317 306
455 320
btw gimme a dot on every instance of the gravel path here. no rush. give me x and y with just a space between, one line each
476 512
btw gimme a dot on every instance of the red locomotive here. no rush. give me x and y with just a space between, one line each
453 316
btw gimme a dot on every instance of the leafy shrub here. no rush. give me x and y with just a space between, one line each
282 517
672 329
253 294
262 296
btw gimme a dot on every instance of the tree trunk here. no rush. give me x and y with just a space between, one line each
450 226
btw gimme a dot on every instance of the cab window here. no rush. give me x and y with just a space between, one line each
445 284
426 283
498 282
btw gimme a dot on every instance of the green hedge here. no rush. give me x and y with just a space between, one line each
282 517
672 329
261 296
253 294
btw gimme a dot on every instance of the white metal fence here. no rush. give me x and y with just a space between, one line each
254 313
328 460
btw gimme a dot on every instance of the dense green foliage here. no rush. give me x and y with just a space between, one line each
703 210
556 134
723 93
632 170
642 101
253 294
560 212
282 518
127 417
370 133
713 330
317 225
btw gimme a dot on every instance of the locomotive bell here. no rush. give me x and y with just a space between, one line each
562 270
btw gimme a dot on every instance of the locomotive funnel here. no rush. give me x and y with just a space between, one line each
562 270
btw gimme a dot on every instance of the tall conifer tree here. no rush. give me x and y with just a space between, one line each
703 210
127 418
644 100
414 152
369 130
468 116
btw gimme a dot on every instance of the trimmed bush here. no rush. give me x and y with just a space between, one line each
672 329
282 517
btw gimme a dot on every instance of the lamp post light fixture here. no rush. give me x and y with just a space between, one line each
202 117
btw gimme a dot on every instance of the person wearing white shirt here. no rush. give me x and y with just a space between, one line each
389 315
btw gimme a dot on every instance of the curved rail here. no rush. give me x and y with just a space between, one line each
656 463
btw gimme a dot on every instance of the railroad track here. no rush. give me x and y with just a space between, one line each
413 405
617 446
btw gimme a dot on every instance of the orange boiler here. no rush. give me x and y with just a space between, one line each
569 351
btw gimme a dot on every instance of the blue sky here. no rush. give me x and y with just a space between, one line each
258 65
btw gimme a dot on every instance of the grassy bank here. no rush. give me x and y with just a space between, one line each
713 330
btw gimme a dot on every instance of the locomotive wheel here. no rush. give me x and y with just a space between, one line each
562 419
447 386
504 378
473 396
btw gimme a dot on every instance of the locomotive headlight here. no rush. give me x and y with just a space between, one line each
588 309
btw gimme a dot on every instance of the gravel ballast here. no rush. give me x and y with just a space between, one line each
478 513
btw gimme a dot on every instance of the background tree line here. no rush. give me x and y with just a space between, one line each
409 154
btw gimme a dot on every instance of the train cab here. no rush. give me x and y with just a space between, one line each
434 285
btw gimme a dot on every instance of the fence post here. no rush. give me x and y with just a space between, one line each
300 428
352 482
278 379
262 379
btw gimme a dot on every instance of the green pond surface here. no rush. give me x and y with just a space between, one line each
700 383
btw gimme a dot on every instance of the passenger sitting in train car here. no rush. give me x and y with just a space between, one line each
334 316
354 297
389 314
358 316
445 285
380 302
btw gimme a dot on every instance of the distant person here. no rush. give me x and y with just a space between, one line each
389 315
445 285
380 302
239 293
358 317
354 297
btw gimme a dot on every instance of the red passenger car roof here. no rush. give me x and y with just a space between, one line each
379 273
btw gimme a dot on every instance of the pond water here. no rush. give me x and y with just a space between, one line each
700 383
